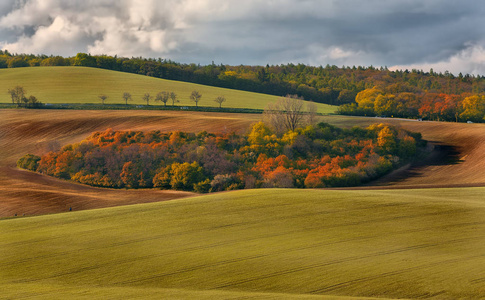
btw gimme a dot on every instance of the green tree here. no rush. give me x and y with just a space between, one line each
385 104
185 175
163 177
29 162
84 60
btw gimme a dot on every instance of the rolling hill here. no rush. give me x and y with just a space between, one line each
260 244
287 243
84 85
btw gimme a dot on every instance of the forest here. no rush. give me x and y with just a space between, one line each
426 106
329 84
358 90
311 157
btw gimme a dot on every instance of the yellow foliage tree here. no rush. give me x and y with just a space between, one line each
365 99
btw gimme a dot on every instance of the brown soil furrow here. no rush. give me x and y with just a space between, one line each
459 159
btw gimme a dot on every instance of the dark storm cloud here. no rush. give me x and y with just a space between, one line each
440 34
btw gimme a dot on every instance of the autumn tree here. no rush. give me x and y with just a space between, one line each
163 97
147 97
126 96
385 104
103 98
185 175
129 175
473 108
195 96
220 100
366 98
386 139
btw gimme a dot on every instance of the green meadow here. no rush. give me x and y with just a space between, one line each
84 85
255 244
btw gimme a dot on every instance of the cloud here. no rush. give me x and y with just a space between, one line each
471 59
442 33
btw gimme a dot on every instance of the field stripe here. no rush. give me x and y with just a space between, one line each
251 257
348 259
161 236
392 273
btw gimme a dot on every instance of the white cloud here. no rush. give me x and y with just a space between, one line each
470 60
343 32
61 33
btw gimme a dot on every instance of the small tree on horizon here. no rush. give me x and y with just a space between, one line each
195 96
103 98
126 96
147 98
173 96
220 100
17 94
163 96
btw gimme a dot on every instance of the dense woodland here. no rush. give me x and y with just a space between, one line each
413 94
312 157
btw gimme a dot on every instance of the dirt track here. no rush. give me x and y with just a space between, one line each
39 131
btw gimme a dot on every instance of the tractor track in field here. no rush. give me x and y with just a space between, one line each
253 257
240 240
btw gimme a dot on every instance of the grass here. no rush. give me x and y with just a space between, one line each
270 244
83 85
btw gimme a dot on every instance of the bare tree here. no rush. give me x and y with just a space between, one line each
220 100
126 96
311 117
195 96
17 94
147 98
103 98
287 113
173 96
163 96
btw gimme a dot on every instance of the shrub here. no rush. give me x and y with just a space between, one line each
29 162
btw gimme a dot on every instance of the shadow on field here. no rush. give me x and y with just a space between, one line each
441 155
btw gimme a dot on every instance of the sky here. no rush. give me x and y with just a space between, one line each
445 35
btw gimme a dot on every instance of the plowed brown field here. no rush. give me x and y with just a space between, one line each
39 131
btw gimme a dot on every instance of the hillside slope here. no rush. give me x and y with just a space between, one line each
389 244
40 131
84 85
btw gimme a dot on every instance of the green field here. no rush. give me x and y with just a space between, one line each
84 85
261 244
